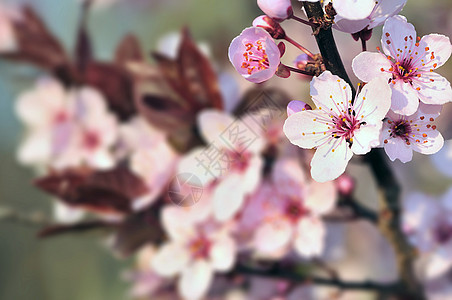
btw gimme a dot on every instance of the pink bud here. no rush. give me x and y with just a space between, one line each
345 185
301 61
276 9
272 27
297 106
255 54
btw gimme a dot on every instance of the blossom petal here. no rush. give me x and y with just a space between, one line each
439 48
437 265
321 198
327 89
369 65
398 149
404 98
195 280
222 254
212 123
272 236
330 160
385 9
374 101
170 259
310 237
365 138
305 130
354 9
433 88
296 106
228 197
394 32
349 26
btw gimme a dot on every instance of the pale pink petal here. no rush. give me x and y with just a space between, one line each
365 138
350 26
213 123
228 197
36 148
170 259
374 101
222 254
385 9
272 236
369 65
297 106
438 45
195 280
433 88
354 9
197 162
310 237
303 129
276 9
327 89
321 198
435 142
178 223
405 99
252 175
437 265
394 32
398 149
330 160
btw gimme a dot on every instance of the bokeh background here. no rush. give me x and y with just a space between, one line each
81 266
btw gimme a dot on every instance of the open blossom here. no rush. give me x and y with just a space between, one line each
231 163
428 224
382 10
290 212
66 129
276 9
403 134
255 54
197 248
408 63
338 127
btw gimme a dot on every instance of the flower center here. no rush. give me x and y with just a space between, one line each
345 126
443 233
254 57
91 140
238 161
401 128
295 211
200 247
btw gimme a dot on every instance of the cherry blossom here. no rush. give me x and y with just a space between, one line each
255 54
428 224
382 10
66 128
197 248
276 9
403 134
338 127
285 213
231 162
151 157
408 64
297 106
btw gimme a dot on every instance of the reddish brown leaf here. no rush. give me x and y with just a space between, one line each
58 229
129 50
109 191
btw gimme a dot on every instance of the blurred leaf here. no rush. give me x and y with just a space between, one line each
58 229
259 98
128 50
110 191
83 48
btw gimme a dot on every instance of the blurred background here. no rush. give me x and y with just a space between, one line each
81 266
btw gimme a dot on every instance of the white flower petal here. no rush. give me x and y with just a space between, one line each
170 259
354 9
222 254
368 65
327 164
195 280
398 149
310 237
213 123
385 9
328 89
441 48
228 197
272 236
437 91
305 130
404 98
394 32
365 138
321 198
374 101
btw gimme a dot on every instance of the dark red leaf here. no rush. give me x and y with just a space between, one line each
129 50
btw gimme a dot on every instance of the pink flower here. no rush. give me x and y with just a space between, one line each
290 212
66 129
231 163
382 10
276 9
151 157
297 106
353 9
403 134
8 41
408 65
338 127
196 249
270 25
255 54
428 224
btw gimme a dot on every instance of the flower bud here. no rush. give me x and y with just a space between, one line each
345 185
270 25
297 106
276 9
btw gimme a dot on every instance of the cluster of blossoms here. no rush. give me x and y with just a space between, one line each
203 188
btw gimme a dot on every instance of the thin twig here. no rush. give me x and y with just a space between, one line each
309 53
309 23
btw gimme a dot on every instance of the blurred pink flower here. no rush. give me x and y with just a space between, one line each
286 212
7 37
151 157
66 128
428 224
197 248
276 9
254 54
403 134
338 128
408 65
231 162
382 10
